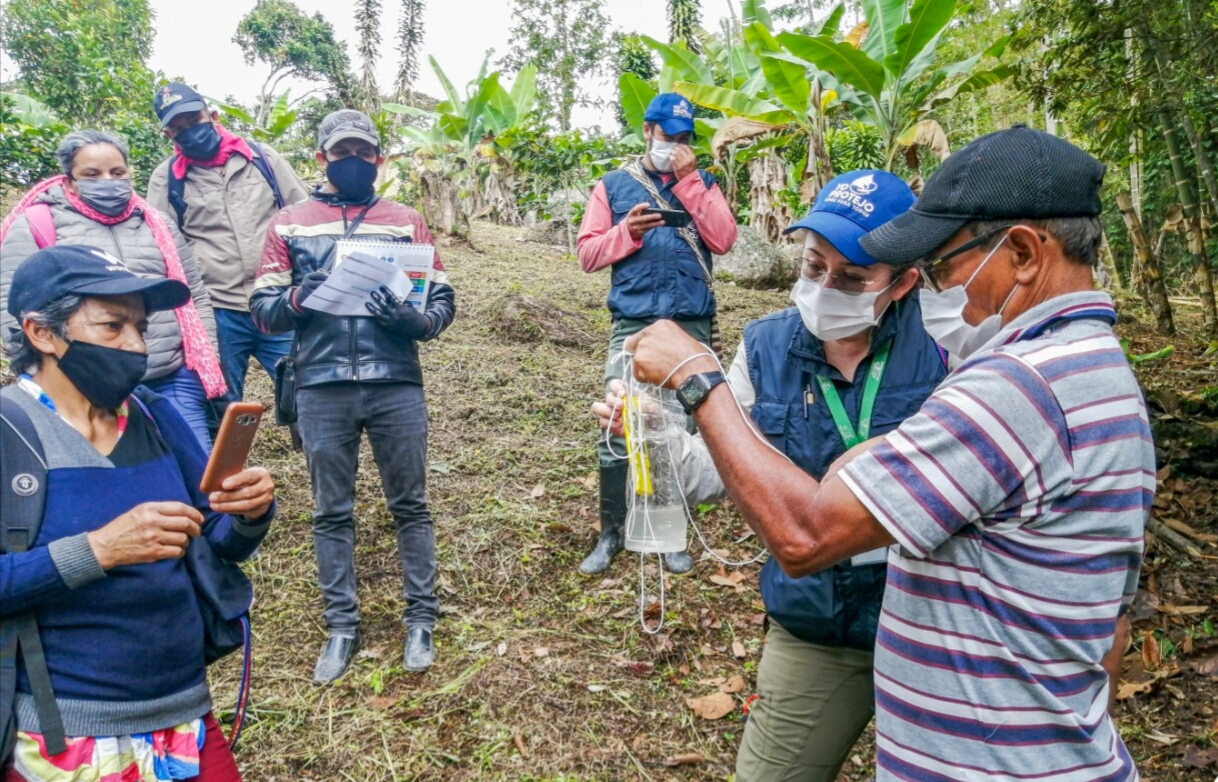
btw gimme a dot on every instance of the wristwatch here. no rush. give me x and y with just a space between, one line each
696 388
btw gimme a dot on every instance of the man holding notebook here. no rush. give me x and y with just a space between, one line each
354 375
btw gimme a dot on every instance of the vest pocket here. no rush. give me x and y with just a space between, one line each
770 415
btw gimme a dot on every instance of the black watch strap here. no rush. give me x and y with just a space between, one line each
696 388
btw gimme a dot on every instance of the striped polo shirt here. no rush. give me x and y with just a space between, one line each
1018 495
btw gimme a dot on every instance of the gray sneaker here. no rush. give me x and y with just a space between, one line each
335 658
420 653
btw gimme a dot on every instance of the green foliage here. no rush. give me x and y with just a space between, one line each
82 58
28 135
855 145
562 162
280 35
410 45
683 20
278 123
566 40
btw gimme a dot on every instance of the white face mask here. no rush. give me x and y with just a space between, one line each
833 314
943 316
660 153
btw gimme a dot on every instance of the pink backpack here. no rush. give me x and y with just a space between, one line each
42 225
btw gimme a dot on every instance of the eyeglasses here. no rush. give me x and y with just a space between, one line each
927 269
843 281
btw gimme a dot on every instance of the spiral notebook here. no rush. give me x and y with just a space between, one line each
416 261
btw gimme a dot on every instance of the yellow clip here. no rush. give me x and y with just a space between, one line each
638 456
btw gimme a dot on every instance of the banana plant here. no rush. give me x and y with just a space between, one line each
280 120
466 170
882 78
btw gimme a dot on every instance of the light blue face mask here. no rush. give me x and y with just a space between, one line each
943 316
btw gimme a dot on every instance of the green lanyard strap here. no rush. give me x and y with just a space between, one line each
871 387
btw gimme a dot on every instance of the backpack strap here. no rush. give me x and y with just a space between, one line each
41 223
260 163
177 186
22 501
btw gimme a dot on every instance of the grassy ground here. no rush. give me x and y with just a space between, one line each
542 674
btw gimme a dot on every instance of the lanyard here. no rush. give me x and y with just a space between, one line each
871 387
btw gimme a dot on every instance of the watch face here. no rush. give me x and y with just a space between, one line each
692 392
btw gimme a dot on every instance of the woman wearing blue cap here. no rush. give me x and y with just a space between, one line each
849 361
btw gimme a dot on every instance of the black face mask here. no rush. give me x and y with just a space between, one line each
199 142
106 376
352 176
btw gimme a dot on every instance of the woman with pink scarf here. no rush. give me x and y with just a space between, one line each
93 203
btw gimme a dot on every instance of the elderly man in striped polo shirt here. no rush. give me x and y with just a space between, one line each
1013 501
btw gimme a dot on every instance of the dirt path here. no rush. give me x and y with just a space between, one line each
543 674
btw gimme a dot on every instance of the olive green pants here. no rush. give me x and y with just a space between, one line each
623 329
814 702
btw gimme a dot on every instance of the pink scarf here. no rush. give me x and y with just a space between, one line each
230 145
195 344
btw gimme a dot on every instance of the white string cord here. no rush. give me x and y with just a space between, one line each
643 595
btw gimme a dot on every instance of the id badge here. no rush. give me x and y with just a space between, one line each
877 556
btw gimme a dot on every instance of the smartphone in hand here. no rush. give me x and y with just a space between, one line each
233 444
673 218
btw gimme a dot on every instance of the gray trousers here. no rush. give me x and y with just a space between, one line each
394 415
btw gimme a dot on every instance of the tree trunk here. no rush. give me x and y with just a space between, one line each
767 176
442 204
1204 161
1196 243
1155 290
1107 269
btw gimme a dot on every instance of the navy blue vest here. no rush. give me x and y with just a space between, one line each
663 278
839 606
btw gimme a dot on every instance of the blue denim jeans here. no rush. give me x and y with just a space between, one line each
185 392
240 340
394 415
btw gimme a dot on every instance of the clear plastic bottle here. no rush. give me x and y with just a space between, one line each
658 519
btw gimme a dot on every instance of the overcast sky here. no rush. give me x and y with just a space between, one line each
194 40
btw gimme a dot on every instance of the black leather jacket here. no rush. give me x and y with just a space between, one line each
301 239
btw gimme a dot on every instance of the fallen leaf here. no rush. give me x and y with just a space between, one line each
382 702
738 649
519 740
591 481
734 684
736 577
713 706
1207 667
501 649
541 651
538 492
1144 606
715 578
441 467
1168 608
1162 738
597 688
1151 655
1130 689
687 759
683 669
1195 757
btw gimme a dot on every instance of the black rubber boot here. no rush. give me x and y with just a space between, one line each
613 519
678 562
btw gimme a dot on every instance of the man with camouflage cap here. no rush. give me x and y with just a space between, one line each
355 375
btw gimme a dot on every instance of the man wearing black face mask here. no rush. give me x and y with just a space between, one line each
224 191
354 375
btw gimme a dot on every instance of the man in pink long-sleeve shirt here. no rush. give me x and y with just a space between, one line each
658 271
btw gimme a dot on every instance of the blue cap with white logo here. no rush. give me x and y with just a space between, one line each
674 114
853 204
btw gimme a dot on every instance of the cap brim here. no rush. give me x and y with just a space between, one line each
675 127
330 142
841 232
160 294
185 107
910 237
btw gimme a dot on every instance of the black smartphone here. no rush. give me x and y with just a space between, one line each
673 218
